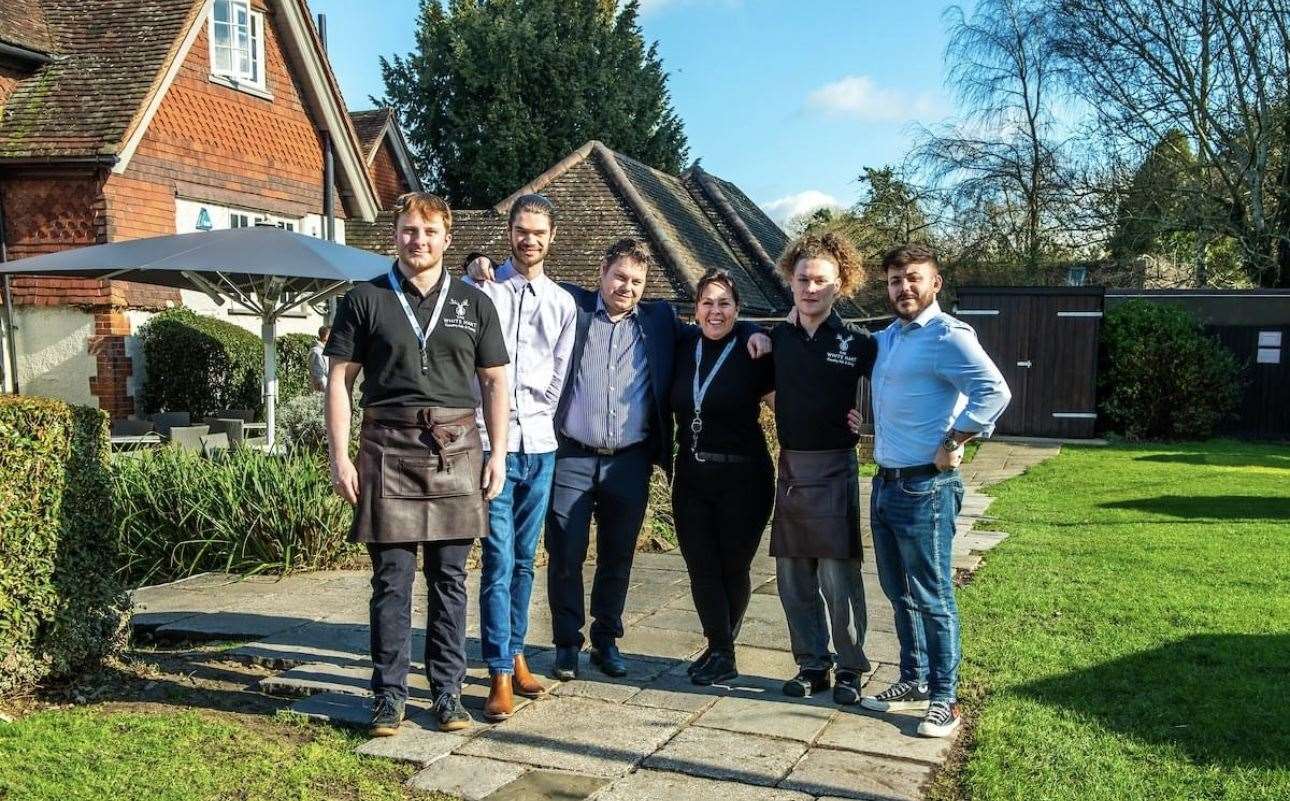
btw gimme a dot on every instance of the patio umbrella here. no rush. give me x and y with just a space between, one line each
263 269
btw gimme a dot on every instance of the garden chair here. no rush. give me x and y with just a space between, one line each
213 443
245 415
188 437
234 427
132 428
168 420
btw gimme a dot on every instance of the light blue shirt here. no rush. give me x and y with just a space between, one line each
611 402
932 375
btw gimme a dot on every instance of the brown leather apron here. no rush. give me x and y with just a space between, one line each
419 471
817 506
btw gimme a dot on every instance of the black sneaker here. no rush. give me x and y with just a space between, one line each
387 715
452 716
807 682
846 688
719 669
699 661
941 720
899 697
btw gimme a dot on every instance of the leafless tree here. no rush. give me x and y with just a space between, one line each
1218 71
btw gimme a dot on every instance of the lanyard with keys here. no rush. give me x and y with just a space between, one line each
423 337
701 390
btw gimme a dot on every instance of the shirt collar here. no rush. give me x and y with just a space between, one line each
506 273
410 288
834 321
600 306
924 317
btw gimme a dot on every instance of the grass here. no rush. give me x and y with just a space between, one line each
96 753
1131 639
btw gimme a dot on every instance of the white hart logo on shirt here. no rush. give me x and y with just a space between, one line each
844 342
461 307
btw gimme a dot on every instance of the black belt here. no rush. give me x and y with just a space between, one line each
719 458
576 445
917 471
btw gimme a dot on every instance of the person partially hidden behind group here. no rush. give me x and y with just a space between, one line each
724 482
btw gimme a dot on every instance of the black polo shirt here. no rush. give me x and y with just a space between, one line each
372 329
815 382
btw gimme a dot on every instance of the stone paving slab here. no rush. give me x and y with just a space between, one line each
580 735
647 642
549 785
775 718
339 644
888 734
414 744
845 774
228 626
471 778
654 785
728 756
328 678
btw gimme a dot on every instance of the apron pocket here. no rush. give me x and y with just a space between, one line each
425 476
813 499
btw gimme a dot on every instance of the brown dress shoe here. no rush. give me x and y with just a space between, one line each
500 703
524 682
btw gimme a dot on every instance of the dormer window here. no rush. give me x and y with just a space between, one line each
237 44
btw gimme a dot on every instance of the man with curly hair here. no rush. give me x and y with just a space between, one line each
815 533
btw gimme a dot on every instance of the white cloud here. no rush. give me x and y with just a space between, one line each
858 97
650 6
791 206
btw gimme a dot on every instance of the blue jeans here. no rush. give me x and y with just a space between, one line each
514 525
913 534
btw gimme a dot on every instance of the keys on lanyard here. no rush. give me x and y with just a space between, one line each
423 337
701 390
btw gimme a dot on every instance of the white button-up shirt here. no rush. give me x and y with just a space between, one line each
537 320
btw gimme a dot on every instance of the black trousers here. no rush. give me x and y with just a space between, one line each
721 511
393 571
613 490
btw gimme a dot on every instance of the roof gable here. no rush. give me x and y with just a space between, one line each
379 125
23 24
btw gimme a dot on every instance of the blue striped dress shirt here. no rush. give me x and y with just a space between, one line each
611 394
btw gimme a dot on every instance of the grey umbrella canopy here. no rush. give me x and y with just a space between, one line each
264 269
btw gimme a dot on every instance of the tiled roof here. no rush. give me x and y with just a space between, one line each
22 23
369 125
107 54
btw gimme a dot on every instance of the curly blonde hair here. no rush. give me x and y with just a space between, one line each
831 246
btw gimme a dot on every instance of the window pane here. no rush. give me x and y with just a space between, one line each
244 65
223 34
221 11
257 48
223 60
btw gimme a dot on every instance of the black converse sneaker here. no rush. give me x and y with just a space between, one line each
899 697
387 714
452 716
941 720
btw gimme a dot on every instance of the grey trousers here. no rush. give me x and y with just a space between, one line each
820 595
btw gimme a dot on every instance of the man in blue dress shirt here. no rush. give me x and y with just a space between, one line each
934 388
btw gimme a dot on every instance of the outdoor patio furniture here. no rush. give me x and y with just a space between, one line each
188 437
167 420
131 442
132 428
258 443
213 443
245 415
233 427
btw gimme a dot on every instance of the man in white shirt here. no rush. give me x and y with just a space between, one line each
318 365
537 318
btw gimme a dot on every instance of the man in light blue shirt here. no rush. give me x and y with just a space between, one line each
934 388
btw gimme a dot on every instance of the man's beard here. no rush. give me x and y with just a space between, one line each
923 302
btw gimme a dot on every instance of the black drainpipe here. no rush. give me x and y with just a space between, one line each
329 169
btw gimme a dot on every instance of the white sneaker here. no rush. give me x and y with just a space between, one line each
941 720
900 697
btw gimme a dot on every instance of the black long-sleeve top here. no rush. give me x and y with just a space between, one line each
731 406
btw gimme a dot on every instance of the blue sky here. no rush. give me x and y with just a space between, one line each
787 99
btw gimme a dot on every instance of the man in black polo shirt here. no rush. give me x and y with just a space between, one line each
419 336
815 535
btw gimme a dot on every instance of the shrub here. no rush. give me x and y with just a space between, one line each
1161 376
293 366
244 511
199 364
62 607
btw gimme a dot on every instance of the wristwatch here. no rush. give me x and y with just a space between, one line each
949 443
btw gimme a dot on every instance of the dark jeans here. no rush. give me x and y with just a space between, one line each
721 511
913 534
393 570
612 490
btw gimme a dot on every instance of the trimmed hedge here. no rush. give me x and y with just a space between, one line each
199 364
243 511
293 366
62 607
1162 377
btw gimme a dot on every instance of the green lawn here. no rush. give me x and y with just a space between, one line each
1131 639
92 754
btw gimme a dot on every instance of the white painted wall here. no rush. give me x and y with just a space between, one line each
54 360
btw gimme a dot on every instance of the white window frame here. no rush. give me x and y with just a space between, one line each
252 79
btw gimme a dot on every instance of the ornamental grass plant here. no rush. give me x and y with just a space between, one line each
178 513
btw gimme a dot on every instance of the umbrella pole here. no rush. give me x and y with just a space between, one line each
269 333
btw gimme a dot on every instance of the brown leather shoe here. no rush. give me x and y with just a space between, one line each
524 682
500 703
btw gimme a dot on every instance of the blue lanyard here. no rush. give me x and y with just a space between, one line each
423 337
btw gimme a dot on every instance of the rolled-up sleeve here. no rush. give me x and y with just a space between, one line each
962 361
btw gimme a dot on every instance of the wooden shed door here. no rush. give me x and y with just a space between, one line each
1045 344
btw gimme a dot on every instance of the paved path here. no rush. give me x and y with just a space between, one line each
651 735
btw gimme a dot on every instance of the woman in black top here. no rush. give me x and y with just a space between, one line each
725 484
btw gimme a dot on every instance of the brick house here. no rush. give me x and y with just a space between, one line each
131 118
691 222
